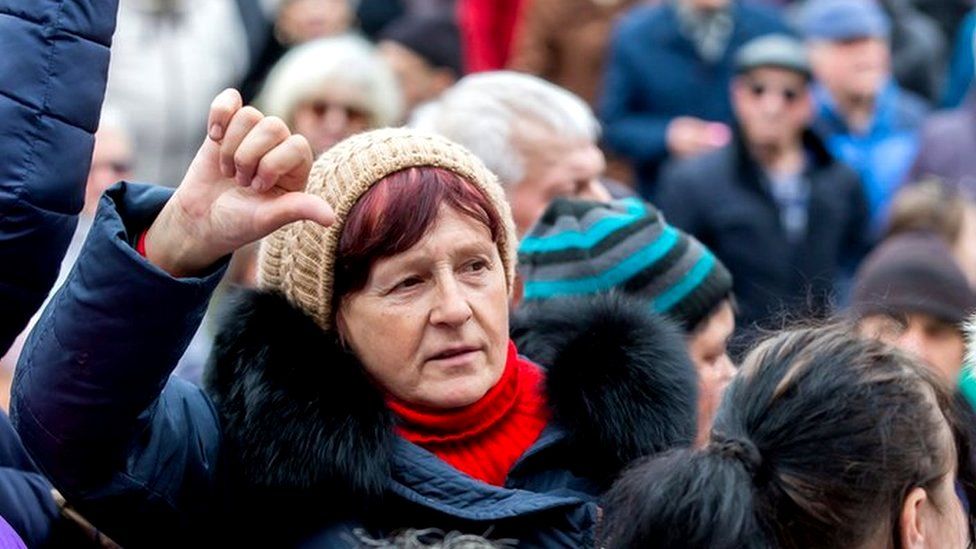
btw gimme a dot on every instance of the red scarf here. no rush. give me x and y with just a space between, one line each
484 439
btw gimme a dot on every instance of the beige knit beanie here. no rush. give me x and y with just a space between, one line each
298 260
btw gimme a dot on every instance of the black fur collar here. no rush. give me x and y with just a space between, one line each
304 417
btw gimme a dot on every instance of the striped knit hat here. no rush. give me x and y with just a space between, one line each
581 247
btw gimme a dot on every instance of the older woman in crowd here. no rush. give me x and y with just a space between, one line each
331 88
369 386
823 440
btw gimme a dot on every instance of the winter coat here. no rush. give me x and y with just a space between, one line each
723 199
51 88
52 81
654 75
566 41
291 443
918 50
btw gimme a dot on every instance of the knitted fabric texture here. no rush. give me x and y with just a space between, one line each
485 439
298 260
580 247
913 273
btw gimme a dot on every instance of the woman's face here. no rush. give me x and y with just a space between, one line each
431 324
330 115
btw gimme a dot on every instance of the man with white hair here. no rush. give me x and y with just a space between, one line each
537 137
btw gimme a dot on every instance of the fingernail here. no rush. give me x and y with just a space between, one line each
216 132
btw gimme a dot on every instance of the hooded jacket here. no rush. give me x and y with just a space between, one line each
291 443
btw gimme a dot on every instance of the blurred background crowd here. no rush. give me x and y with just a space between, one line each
792 138
741 166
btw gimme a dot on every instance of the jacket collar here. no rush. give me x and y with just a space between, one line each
750 173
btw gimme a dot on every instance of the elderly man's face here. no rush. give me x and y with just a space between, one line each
555 166
853 68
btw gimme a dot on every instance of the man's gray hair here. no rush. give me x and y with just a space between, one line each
481 112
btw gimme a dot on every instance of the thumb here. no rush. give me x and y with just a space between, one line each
294 206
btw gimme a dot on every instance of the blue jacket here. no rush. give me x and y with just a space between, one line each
291 443
654 74
883 155
52 80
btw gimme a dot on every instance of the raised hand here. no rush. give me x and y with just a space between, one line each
246 181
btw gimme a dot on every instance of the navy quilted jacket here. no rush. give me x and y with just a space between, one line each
52 81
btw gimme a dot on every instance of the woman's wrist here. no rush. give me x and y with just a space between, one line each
174 251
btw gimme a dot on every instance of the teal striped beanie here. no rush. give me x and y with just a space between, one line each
580 247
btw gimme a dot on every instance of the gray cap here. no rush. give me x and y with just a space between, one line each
774 50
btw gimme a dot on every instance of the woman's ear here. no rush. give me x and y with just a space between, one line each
518 291
912 526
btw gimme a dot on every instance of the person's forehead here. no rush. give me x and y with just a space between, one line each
927 320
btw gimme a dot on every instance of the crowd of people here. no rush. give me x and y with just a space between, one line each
488 273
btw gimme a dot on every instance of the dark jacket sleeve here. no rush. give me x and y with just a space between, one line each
859 238
961 64
677 200
639 136
134 450
52 81
25 495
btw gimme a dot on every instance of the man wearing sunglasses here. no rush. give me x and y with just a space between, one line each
785 217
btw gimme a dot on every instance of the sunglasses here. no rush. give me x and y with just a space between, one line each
788 94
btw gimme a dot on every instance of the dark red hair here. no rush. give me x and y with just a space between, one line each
396 213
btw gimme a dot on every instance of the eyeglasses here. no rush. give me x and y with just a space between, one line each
789 95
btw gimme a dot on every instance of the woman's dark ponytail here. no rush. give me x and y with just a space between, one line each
687 498
815 445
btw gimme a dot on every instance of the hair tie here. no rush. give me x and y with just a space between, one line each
739 449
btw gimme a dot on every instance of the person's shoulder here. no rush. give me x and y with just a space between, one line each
763 18
910 109
707 164
948 124
643 19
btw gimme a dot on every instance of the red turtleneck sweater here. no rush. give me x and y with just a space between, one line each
484 439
